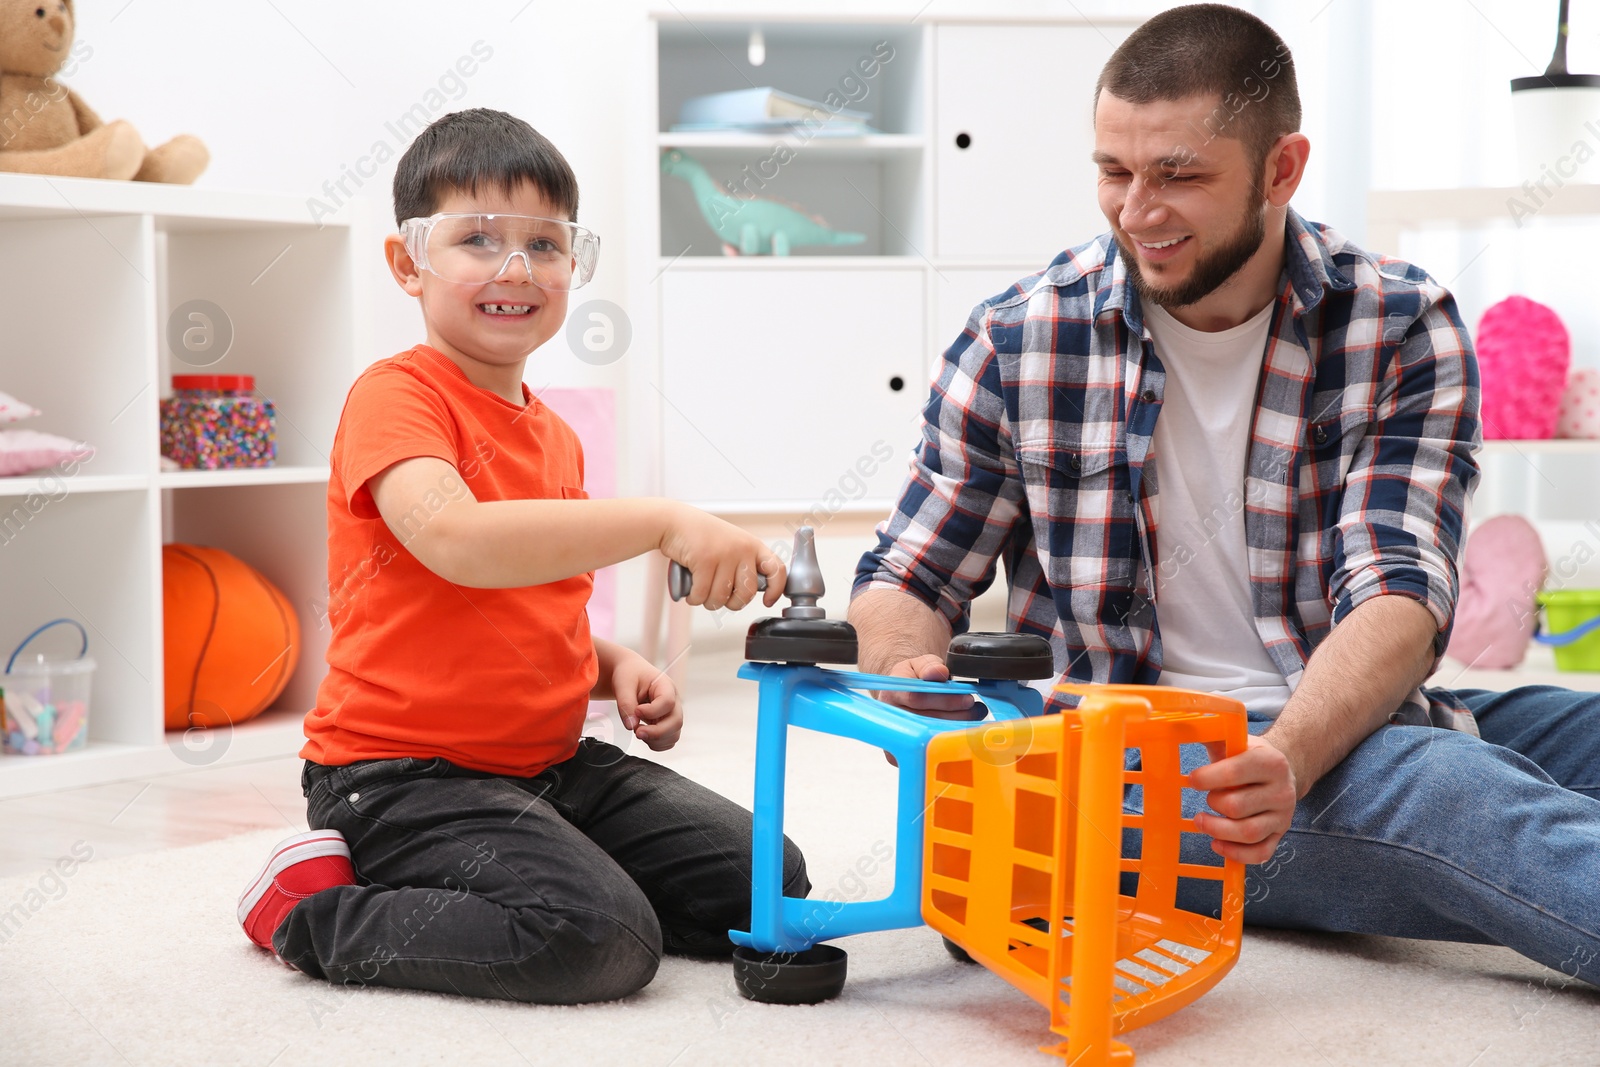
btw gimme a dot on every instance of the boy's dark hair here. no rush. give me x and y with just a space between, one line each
467 150
1214 50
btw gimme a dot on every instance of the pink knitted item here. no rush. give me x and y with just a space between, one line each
1501 571
1580 405
1523 353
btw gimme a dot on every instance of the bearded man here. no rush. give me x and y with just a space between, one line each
1223 448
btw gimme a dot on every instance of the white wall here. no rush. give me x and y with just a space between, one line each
291 95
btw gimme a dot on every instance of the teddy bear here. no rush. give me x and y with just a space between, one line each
46 129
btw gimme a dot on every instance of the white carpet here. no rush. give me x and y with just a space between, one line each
140 961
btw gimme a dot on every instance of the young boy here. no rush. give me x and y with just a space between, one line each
467 839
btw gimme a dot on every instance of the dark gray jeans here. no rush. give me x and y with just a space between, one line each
562 888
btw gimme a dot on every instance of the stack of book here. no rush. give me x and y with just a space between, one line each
766 110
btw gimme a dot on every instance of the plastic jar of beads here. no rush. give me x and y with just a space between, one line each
44 701
217 421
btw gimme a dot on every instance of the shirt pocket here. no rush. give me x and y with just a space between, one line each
1073 465
1081 511
1331 444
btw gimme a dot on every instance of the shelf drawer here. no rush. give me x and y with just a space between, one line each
1021 101
779 384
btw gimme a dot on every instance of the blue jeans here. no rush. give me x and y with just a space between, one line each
1435 834
562 888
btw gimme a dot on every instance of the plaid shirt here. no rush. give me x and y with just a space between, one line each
1037 448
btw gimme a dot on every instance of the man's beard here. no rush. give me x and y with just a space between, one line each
1210 271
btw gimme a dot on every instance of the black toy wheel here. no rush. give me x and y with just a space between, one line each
808 977
1015 657
784 640
957 952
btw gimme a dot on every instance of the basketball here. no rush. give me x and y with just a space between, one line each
231 638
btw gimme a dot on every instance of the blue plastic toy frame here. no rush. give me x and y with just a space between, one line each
824 700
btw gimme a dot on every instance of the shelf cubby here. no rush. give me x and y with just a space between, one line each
282 531
874 195
815 60
870 184
80 338
86 556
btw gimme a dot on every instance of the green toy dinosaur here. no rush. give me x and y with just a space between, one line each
753 226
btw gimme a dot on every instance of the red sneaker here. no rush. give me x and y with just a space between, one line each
298 867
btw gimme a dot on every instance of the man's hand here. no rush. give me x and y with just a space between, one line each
930 668
647 702
957 707
1254 792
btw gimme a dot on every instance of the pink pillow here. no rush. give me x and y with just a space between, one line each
1501 572
22 451
1523 354
1580 405
12 409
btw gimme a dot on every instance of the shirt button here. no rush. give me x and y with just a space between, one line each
1075 463
1149 396
1320 435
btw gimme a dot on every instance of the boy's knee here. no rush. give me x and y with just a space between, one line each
616 967
588 958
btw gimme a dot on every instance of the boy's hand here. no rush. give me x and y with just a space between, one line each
723 560
647 702
1254 794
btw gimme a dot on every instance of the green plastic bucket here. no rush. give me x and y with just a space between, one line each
1572 628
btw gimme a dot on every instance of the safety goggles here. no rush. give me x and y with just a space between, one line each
473 249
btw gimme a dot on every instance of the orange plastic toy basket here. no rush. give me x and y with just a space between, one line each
1023 857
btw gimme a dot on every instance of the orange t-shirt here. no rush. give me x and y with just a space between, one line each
493 679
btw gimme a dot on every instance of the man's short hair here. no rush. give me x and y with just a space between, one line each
468 150
1212 50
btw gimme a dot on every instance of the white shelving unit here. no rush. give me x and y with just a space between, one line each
1390 211
747 354
91 271
1538 666
747 351
1518 476
1521 476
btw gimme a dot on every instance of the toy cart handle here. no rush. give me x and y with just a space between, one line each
82 634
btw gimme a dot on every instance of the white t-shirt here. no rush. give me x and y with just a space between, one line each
1209 639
